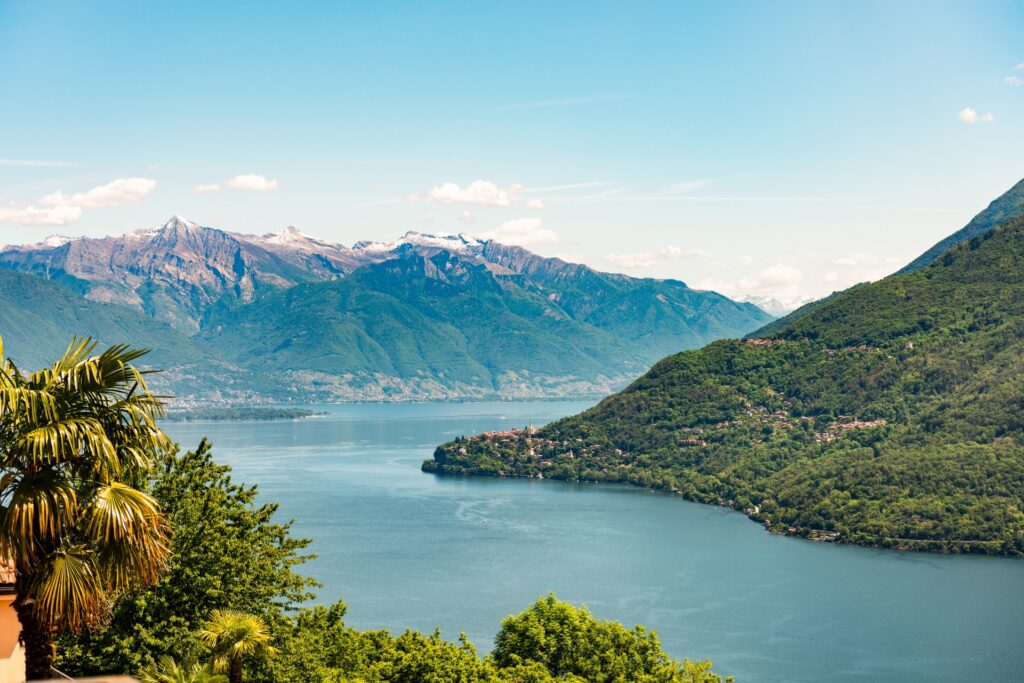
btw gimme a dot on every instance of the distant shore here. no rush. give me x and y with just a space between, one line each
237 414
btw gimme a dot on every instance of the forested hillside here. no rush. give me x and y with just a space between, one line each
437 324
892 414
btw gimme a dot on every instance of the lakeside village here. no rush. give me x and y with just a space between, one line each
529 453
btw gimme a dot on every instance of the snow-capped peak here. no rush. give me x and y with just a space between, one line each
53 241
48 242
449 242
294 238
180 223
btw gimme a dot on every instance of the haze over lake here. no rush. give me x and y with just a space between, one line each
408 549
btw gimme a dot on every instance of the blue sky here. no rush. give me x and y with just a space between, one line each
779 149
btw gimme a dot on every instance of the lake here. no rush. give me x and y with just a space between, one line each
409 549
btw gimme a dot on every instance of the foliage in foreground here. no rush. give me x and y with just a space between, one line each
75 440
889 415
550 641
229 554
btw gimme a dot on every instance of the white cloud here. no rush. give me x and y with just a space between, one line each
466 217
41 163
482 192
213 187
745 260
523 232
153 167
118 192
780 282
651 258
857 268
970 116
1019 67
535 204
54 215
1015 81
252 181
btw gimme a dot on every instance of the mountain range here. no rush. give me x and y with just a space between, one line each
286 316
890 414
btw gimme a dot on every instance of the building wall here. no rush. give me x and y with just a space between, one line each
12 656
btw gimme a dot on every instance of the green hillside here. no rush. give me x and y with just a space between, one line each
38 318
892 415
440 323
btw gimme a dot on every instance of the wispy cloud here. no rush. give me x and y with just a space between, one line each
120 192
688 186
252 181
970 116
523 232
60 208
482 192
565 188
651 258
560 102
38 163
248 181
1015 81
35 216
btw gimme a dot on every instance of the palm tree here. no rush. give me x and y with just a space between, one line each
76 439
169 671
233 635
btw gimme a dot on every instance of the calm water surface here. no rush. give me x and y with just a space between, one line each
409 549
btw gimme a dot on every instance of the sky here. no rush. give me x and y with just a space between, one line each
766 149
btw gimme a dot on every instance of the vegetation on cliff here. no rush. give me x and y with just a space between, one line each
888 415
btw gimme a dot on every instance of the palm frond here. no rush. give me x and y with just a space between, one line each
70 589
167 670
232 635
39 508
130 535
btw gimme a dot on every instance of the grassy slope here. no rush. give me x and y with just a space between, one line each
930 363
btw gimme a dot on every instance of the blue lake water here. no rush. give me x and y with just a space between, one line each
409 549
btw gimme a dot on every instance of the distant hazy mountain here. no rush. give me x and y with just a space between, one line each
426 316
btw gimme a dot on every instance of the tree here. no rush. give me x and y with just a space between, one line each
569 641
169 671
233 636
228 552
76 440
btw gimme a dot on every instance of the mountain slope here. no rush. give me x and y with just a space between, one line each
38 318
431 323
424 317
181 272
1004 208
891 414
